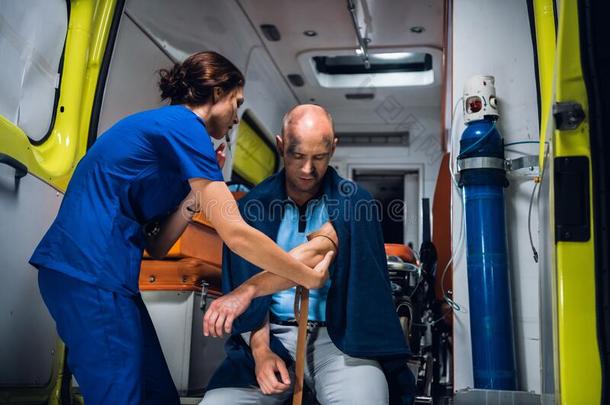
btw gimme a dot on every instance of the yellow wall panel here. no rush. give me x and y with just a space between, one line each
255 159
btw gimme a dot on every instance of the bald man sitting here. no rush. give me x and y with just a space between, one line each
356 350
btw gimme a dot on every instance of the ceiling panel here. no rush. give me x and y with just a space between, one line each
388 25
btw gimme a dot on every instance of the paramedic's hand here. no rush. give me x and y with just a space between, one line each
221 156
268 367
222 311
322 270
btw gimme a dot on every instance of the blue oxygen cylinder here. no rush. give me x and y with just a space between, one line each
482 176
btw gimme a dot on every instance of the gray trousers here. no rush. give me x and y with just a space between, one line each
331 375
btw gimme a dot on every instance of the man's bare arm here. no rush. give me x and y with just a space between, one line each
222 312
267 363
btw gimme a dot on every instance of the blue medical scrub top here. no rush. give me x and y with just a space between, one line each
137 171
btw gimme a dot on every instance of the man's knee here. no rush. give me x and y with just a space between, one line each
219 396
363 382
365 394
240 396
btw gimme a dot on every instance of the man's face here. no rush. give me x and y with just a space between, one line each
306 148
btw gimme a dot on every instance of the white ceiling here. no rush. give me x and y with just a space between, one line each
388 27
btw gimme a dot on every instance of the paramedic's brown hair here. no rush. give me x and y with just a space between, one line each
192 81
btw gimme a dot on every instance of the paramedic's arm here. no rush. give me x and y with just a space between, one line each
222 312
174 225
170 228
267 363
220 208
309 253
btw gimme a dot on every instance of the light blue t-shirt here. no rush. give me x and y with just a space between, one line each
290 236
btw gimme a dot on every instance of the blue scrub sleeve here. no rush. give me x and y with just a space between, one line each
192 150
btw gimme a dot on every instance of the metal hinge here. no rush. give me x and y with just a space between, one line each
568 115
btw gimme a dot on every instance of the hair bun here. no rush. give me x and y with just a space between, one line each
172 83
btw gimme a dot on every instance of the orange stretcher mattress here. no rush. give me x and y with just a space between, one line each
402 251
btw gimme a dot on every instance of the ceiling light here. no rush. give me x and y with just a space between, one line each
417 29
310 33
392 55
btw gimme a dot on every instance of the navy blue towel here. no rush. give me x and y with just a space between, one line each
360 313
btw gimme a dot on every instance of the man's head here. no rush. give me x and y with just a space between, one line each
306 144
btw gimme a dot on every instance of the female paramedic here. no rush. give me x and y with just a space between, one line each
137 188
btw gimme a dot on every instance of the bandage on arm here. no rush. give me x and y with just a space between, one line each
327 231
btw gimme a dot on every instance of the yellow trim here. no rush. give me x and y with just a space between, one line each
54 161
49 394
579 361
544 16
254 159
60 359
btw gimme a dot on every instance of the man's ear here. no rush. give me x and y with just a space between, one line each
217 94
332 150
279 143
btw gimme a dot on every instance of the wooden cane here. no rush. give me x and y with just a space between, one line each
301 313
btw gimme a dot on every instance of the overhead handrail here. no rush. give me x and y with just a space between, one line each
363 43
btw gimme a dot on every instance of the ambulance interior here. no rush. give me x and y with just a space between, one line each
392 74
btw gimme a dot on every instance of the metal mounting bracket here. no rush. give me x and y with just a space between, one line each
568 115
523 165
